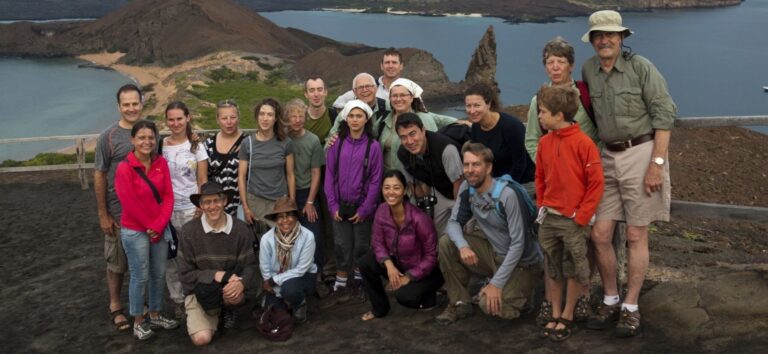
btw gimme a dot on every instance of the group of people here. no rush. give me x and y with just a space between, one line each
371 189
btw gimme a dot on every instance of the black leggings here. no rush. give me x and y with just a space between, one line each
417 294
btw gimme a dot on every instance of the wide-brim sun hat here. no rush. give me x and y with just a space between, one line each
606 21
282 205
210 188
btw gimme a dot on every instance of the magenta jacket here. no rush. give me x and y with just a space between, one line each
140 209
413 247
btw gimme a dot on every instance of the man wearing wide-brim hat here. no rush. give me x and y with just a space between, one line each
634 114
216 249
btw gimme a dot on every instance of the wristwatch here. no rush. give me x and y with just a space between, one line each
658 160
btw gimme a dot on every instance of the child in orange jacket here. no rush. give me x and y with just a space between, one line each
569 185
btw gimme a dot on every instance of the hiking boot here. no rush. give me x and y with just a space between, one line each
453 313
629 324
162 322
228 319
604 316
582 311
142 331
337 297
545 314
300 313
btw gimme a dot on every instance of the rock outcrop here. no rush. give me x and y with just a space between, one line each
165 32
339 69
482 67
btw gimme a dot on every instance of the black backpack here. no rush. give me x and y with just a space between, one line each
459 133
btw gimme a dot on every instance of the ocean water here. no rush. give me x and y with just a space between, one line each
714 61
52 97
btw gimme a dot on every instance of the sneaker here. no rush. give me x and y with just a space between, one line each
300 313
629 324
339 296
455 312
604 316
228 318
142 331
162 322
179 311
357 292
582 311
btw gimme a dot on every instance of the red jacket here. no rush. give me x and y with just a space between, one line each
569 175
140 209
412 247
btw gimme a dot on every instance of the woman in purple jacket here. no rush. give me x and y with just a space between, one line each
404 251
352 180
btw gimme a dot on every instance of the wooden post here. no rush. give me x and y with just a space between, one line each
80 142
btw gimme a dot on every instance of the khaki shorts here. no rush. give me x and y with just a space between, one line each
260 207
564 243
199 319
114 253
624 198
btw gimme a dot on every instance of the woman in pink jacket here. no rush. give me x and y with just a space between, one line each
404 251
143 185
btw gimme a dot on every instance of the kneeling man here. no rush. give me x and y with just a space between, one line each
500 248
216 250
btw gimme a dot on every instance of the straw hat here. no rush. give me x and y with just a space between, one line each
282 205
606 21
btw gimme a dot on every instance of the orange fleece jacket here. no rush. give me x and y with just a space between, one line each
569 175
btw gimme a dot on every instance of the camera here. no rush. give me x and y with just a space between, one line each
427 204
347 210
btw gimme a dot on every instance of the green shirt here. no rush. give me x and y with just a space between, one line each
533 129
307 154
390 142
320 126
630 100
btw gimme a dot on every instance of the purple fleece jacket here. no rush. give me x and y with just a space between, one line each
350 183
413 247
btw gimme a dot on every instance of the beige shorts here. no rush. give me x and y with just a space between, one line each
199 319
114 253
565 244
625 198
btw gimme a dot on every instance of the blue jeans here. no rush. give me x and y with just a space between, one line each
316 227
293 292
146 262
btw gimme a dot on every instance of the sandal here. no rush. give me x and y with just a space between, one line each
561 334
121 325
546 332
582 311
545 314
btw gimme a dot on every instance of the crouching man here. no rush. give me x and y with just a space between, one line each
217 264
499 250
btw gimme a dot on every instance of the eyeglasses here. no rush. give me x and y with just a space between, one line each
226 103
209 202
365 87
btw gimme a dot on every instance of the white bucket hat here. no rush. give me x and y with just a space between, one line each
606 21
